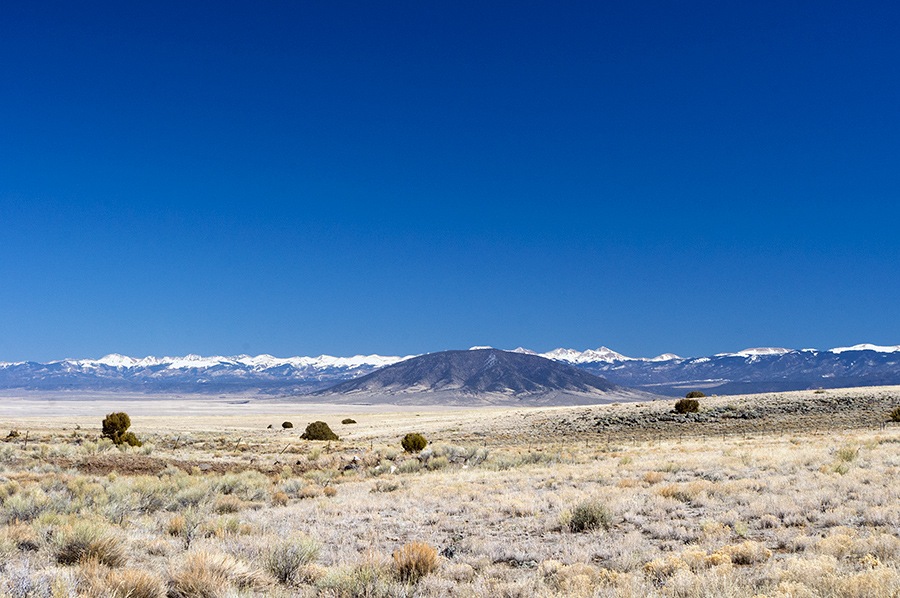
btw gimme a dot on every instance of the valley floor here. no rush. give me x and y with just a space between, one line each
624 500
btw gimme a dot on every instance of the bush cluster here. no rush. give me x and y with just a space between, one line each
695 394
348 421
319 431
589 515
687 405
895 414
414 561
287 425
413 443
115 427
286 559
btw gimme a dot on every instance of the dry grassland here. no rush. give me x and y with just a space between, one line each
502 503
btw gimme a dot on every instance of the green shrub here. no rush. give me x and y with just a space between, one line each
413 442
409 466
348 421
895 414
687 405
286 559
589 515
287 425
130 439
115 427
695 394
319 431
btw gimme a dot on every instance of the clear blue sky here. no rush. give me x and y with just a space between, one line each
299 178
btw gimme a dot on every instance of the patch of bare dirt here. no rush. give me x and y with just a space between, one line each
125 464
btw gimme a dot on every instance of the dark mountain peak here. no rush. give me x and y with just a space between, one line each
482 375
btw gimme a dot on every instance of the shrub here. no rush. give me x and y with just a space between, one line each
747 553
285 560
687 405
348 421
228 504
409 466
848 453
287 425
130 439
589 515
96 580
413 443
695 394
415 560
366 579
25 506
87 541
115 427
895 414
319 431
134 583
207 575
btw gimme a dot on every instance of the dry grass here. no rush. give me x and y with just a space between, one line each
209 575
414 561
487 509
88 541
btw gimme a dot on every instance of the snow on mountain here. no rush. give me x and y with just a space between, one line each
602 354
867 347
260 362
757 369
756 351
665 357
265 361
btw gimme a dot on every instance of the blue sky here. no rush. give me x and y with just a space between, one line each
395 178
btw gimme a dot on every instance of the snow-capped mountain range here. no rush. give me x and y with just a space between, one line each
750 370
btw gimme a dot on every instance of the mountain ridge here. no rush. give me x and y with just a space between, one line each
482 375
759 369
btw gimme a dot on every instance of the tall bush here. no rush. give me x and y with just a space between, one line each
115 427
413 443
319 431
687 406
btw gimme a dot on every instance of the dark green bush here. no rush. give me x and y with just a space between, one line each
413 443
695 394
348 421
589 515
319 431
287 425
115 427
687 405
130 439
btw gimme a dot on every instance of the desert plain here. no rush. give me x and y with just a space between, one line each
780 495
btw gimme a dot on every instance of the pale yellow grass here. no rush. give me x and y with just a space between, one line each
803 514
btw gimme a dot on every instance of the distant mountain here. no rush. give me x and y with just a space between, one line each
766 369
192 373
763 369
481 376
